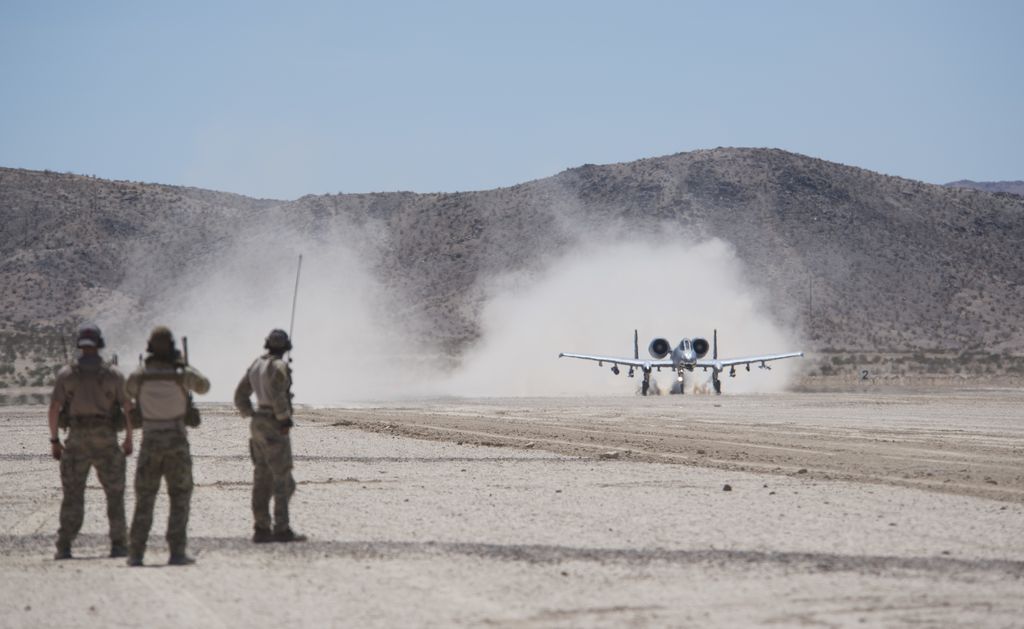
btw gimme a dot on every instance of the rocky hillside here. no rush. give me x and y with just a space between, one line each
66 240
890 264
1009 187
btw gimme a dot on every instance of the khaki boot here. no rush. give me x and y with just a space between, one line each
180 559
262 536
288 535
63 551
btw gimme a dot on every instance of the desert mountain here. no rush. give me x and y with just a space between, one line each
854 260
1011 187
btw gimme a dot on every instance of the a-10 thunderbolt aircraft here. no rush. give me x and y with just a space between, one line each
687 356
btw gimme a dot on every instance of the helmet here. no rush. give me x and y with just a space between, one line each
278 341
161 341
89 335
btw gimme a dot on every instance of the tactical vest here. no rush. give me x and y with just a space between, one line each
64 418
191 418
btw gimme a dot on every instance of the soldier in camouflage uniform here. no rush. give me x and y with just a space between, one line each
161 389
270 446
89 394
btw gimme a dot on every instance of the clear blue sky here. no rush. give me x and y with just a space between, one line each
281 99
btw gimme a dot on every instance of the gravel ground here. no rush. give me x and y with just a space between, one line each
413 522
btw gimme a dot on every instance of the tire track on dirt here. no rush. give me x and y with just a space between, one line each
963 463
813 562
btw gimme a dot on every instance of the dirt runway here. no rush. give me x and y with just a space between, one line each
969 443
774 510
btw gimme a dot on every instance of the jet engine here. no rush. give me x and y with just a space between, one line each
659 348
700 347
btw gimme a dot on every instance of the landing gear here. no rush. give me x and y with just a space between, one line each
647 382
717 383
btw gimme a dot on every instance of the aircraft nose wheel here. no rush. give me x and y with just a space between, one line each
647 383
717 384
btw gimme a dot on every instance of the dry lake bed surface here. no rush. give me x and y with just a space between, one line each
895 509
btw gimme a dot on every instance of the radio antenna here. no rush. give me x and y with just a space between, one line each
295 298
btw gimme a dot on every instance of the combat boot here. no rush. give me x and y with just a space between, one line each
262 536
180 559
288 535
63 552
135 554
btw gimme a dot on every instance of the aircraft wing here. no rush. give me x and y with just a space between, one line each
616 360
728 362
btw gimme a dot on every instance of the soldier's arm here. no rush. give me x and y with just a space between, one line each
279 383
127 407
57 399
56 449
120 393
121 397
52 417
131 387
243 395
195 381
56 402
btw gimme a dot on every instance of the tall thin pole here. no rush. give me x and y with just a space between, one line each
295 297
810 304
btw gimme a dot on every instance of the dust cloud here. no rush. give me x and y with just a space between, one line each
346 347
592 299
351 343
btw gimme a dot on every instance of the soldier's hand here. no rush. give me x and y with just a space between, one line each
56 449
127 446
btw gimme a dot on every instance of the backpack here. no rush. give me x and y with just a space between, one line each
192 418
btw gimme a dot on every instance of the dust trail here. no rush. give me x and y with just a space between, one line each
345 341
353 339
591 300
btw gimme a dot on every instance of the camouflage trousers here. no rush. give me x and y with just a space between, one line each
164 454
271 454
91 446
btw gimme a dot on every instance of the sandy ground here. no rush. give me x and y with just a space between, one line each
844 510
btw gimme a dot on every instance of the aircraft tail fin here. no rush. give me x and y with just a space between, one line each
636 345
715 346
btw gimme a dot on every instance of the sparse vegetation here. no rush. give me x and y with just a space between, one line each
907 278
912 366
